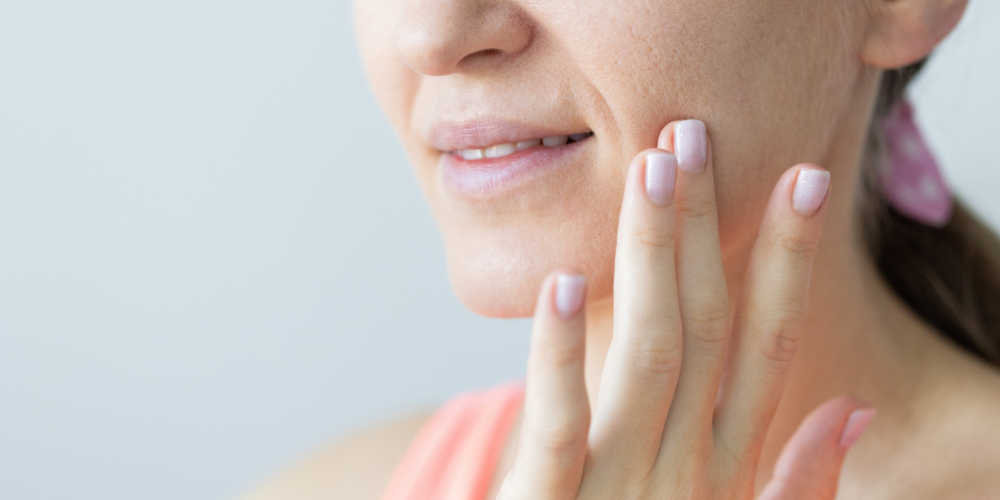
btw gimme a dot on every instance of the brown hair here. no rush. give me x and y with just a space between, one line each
950 276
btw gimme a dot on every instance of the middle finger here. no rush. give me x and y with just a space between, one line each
644 359
704 301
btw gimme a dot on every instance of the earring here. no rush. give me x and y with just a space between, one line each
911 179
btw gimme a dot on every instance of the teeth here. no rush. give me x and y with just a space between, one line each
551 142
500 150
528 144
472 154
506 149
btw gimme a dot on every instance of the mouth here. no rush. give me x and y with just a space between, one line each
510 148
490 162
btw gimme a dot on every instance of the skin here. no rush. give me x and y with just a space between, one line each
777 83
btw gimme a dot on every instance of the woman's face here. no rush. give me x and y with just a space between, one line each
774 81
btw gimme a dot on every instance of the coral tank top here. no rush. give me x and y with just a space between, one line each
456 453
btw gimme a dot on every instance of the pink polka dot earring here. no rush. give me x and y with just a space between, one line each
911 179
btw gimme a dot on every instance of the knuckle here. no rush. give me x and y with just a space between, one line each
708 323
697 209
655 360
796 244
778 336
563 437
562 356
654 239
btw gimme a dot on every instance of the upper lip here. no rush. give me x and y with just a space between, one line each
483 133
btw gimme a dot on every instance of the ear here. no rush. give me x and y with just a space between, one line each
905 31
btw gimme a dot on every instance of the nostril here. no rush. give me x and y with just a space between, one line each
485 52
435 36
482 54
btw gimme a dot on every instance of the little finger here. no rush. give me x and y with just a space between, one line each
809 466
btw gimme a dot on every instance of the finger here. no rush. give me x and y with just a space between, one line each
701 282
645 354
773 301
809 466
553 443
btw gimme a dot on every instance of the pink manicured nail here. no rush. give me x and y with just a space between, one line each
690 145
569 294
661 171
856 425
810 191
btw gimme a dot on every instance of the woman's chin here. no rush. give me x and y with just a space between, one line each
507 307
509 289
496 295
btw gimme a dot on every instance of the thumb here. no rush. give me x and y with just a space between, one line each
809 466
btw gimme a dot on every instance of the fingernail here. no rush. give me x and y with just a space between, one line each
690 145
810 191
856 425
661 170
569 294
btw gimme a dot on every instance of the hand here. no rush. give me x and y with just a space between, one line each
662 429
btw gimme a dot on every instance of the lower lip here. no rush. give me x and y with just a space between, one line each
493 176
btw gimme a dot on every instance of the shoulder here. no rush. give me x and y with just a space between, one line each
945 443
358 467
977 458
966 437
361 466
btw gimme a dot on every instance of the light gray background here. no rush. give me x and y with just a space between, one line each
213 257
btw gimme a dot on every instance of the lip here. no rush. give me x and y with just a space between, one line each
488 177
452 136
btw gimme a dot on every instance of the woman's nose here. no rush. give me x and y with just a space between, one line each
441 37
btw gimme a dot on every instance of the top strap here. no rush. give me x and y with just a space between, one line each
456 453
